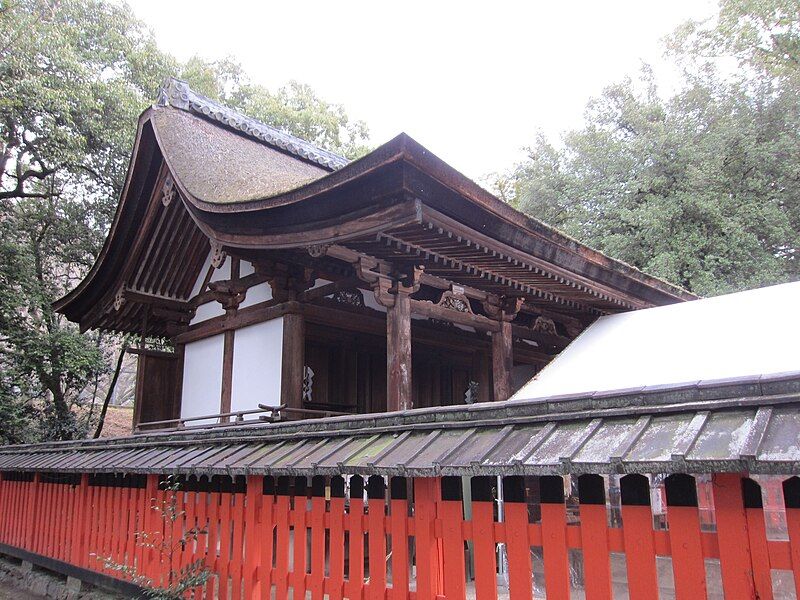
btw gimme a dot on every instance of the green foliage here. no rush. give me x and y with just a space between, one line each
74 77
167 547
700 188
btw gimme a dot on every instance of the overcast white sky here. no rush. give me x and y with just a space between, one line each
471 81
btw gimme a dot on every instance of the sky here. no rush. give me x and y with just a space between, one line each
471 81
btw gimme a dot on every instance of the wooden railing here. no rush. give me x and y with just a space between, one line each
360 540
265 414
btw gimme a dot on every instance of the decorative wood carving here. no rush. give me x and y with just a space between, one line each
228 294
318 250
544 325
119 299
168 191
218 255
505 310
349 297
454 299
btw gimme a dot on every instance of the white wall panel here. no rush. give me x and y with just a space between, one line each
257 365
202 377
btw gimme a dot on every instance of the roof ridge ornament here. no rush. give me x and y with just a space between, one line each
177 94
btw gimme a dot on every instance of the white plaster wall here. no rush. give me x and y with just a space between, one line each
202 378
210 309
257 352
258 293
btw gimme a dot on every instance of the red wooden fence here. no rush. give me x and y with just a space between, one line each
268 537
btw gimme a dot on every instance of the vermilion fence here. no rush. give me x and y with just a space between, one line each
351 538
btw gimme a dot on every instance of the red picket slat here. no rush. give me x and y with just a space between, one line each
282 546
212 543
554 537
686 545
450 512
791 499
237 557
425 495
252 548
298 521
336 563
398 508
224 560
376 523
734 542
518 546
484 545
355 583
317 539
267 530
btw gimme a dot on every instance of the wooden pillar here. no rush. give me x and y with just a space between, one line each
398 353
229 340
502 361
293 360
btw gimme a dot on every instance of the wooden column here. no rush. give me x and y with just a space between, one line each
293 360
229 340
502 361
398 353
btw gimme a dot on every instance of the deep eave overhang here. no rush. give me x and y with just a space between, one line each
399 171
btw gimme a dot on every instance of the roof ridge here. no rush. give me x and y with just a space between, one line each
177 94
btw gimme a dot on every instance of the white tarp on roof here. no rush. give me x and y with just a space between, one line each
749 333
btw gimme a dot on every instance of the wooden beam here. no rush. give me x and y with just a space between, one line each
328 289
293 360
398 354
258 313
502 361
434 311
132 295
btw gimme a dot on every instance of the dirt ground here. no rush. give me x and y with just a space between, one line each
119 420
8 592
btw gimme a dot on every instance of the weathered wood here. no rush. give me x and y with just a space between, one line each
502 361
293 360
398 354
227 372
258 313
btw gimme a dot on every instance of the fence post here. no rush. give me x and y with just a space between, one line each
266 531
317 537
734 543
376 493
299 520
757 535
427 554
594 537
791 500
518 546
356 529
683 518
451 511
336 566
399 522
252 548
637 532
554 536
483 537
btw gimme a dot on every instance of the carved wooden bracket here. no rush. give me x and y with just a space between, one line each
168 191
218 255
544 325
506 310
286 282
318 250
119 299
386 286
455 299
228 293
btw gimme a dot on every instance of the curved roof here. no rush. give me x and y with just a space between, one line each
249 186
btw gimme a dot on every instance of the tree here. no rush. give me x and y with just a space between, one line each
74 76
700 188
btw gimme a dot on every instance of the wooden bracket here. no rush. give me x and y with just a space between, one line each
506 310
